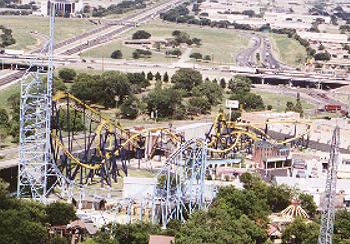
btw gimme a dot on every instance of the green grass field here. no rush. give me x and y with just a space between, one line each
22 26
222 44
278 102
105 51
288 50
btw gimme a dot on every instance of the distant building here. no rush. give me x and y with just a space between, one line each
271 17
270 156
63 7
316 37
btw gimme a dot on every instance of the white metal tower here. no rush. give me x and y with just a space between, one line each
328 212
37 174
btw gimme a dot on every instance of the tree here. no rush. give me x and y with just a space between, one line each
136 55
114 83
207 57
218 226
278 197
59 85
149 76
176 33
21 221
249 101
157 76
129 108
67 75
141 34
117 54
4 118
342 224
298 107
321 47
240 84
210 91
138 79
196 41
60 213
14 102
289 106
58 240
137 233
198 105
322 56
176 52
84 87
223 83
248 202
300 232
166 101
196 56
186 79
308 203
166 77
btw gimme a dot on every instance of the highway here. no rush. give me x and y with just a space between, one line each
267 57
128 23
268 76
246 57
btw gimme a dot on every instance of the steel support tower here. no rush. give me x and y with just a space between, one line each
328 211
37 174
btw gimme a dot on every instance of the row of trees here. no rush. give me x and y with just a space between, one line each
119 8
189 94
199 56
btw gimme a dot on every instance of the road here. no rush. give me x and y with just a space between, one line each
247 56
267 57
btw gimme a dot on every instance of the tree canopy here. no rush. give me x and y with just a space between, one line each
141 34
67 75
186 79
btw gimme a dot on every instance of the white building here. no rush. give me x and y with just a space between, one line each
63 7
316 187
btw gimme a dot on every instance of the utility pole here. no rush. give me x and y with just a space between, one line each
328 211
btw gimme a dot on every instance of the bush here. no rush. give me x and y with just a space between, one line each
141 34
117 54
67 75
322 56
140 53
196 56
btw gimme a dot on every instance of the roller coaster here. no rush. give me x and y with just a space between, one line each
69 148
